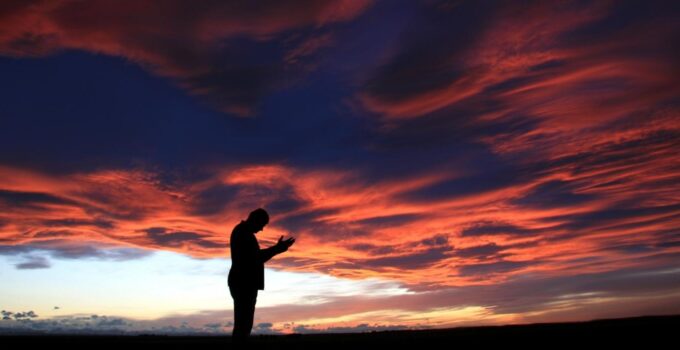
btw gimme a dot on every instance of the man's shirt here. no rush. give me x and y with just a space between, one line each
247 259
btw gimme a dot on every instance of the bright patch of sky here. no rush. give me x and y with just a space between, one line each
156 285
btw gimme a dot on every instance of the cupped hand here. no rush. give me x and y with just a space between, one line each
285 244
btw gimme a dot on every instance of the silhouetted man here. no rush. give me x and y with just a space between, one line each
246 275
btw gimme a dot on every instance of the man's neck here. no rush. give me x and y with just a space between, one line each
248 227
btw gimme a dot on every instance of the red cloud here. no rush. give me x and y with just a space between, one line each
350 229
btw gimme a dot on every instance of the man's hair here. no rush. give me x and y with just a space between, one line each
259 215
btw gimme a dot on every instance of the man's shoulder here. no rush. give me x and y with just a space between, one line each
240 230
239 226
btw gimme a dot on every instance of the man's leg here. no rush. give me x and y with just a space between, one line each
244 313
249 312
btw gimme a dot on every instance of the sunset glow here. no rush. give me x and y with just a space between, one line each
440 163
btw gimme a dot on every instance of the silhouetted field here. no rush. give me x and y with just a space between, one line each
647 332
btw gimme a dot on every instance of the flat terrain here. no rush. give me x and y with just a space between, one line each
647 332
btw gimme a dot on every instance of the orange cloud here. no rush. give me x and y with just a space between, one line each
348 228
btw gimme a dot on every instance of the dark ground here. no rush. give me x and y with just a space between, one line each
649 332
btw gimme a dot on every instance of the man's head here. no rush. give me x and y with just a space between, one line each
257 219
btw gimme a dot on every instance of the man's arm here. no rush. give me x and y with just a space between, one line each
265 254
281 246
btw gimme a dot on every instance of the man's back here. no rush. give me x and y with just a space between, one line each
247 269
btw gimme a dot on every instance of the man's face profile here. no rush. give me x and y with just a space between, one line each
257 225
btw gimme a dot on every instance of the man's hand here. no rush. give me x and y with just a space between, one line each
284 245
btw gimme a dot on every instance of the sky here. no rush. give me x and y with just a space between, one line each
440 163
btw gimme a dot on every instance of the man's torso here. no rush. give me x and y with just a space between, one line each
247 272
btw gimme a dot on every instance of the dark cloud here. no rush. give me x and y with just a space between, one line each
67 250
216 325
434 249
423 64
6 315
373 249
116 254
94 324
285 202
480 252
54 234
360 328
18 316
30 199
626 18
498 267
487 174
632 248
34 263
305 262
29 323
671 244
14 249
214 199
414 260
389 220
631 151
60 249
110 322
304 220
167 238
553 194
221 51
243 79
100 223
436 240
490 228
610 217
